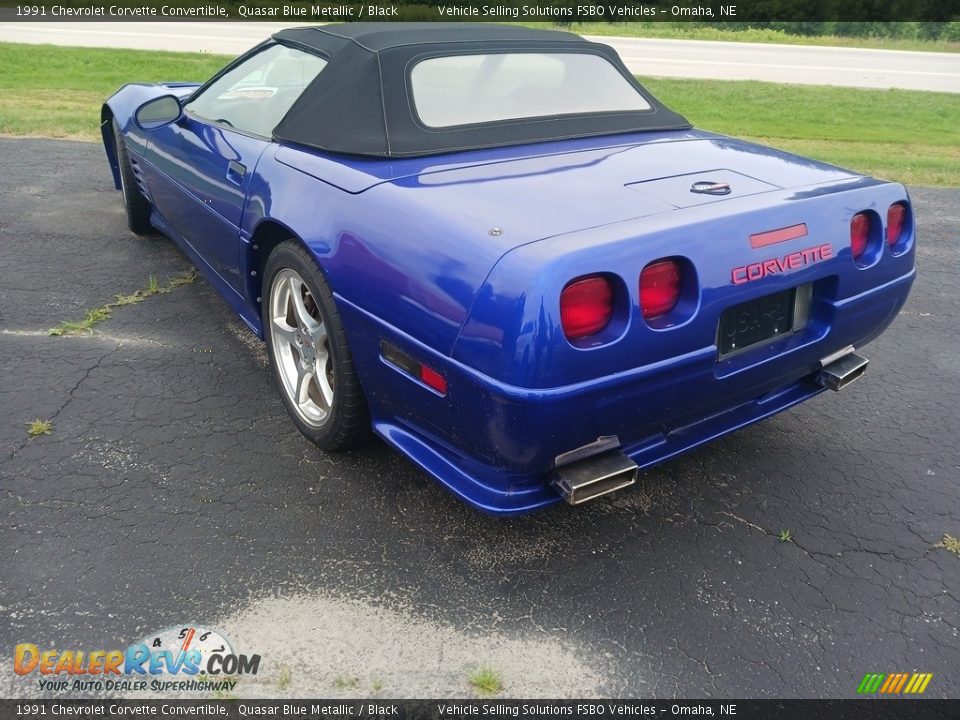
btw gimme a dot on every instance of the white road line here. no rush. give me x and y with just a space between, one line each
119 33
821 68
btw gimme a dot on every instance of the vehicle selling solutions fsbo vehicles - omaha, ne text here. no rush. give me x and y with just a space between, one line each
496 248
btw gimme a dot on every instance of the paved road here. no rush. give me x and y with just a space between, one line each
174 489
795 64
853 67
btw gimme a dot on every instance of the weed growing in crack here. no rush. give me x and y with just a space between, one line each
485 680
36 428
950 544
98 315
283 682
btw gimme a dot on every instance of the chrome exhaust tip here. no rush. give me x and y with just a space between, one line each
593 477
841 369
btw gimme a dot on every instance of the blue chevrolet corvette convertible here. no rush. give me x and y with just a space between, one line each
498 250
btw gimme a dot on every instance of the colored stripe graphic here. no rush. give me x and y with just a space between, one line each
891 679
900 683
894 683
870 683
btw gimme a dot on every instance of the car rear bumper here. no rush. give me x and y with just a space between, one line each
508 495
494 445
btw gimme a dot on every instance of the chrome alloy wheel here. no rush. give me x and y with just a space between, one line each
300 348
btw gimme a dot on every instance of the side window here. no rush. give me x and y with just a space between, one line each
255 95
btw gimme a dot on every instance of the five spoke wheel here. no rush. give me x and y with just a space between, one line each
301 348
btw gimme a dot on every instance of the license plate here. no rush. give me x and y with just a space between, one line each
762 319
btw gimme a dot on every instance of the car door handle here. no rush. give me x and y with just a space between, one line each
235 172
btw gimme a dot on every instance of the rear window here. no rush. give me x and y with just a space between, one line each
484 88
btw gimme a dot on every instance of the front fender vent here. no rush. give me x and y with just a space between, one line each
138 175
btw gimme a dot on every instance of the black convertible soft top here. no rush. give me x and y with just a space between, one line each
361 104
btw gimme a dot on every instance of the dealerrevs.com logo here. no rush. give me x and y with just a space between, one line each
178 659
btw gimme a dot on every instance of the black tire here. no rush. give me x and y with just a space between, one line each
137 206
347 423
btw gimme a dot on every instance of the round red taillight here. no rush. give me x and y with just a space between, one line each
586 306
896 219
859 234
659 288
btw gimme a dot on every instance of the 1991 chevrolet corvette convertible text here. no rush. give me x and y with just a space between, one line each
495 247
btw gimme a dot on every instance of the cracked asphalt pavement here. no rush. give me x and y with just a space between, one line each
174 489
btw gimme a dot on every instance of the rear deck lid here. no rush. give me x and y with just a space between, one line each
540 191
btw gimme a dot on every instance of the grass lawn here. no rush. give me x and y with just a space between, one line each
910 136
48 91
906 135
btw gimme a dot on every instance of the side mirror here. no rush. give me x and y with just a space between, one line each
158 112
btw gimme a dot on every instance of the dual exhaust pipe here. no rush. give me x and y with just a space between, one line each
601 467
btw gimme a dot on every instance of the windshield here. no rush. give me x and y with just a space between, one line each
483 88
